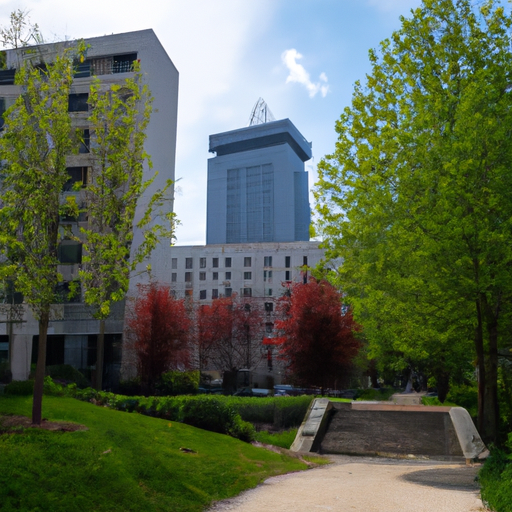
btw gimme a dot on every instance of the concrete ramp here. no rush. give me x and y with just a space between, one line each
385 429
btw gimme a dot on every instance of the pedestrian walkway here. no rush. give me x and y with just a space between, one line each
364 484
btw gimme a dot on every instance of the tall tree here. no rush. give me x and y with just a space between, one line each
36 139
158 329
119 116
319 336
417 198
229 333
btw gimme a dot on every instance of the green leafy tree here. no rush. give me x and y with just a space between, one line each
417 197
36 139
119 116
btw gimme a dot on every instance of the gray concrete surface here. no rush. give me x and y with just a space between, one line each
365 484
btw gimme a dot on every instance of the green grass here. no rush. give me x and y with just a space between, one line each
125 462
283 439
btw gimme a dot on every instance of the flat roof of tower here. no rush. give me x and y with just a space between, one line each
261 136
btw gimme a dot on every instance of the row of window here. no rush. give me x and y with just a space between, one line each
267 276
267 262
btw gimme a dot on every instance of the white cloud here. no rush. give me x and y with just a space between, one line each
299 74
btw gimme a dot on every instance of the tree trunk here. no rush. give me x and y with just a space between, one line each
491 405
37 403
480 361
100 349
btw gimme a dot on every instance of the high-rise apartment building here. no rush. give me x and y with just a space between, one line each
73 331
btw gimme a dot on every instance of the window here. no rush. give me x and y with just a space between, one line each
269 327
174 263
228 276
215 276
188 277
247 261
70 251
113 64
215 293
247 292
76 175
174 277
287 261
269 307
267 261
78 102
269 292
304 260
202 276
188 262
227 292
267 276
202 262
215 262
287 276
247 275
227 262
202 294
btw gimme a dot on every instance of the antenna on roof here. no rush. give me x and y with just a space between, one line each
261 113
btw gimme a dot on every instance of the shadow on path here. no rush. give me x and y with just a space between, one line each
457 479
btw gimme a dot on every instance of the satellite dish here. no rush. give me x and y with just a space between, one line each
261 113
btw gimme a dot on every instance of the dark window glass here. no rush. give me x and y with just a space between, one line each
227 292
202 276
188 277
269 306
174 277
215 262
247 292
215 293
287 276
247 275
188 262
78 102
227 262
287 261
76 175
215 276
247 261
85 143
228 276
174 263
202 262
70 252
202 294
267 261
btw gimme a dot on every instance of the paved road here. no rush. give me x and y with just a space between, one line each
365 484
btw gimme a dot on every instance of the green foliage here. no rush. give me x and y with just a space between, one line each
67 374
496 480
5 371
20 388
124 462
209 413
464 396
178 382
416 200
283 439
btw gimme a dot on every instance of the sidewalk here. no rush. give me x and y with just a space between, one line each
364 484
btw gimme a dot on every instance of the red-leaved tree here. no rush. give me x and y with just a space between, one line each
229 334
318 335
158 328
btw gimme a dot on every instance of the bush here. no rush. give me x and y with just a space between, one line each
282 439
178 383
496 481
208 413
130 387
20 388
67 374
372 394
464 396
242 430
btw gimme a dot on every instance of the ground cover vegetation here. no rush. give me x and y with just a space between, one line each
124 462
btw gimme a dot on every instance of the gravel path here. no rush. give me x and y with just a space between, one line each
365 484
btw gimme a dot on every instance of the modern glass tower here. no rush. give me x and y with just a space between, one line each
257 185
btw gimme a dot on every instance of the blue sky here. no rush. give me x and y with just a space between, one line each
231 52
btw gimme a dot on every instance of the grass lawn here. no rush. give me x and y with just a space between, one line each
123 462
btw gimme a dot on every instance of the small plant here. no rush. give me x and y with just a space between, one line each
20 388
282 439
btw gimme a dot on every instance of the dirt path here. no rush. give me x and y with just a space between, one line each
365 484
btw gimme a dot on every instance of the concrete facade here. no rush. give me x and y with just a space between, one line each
257 186
72 331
